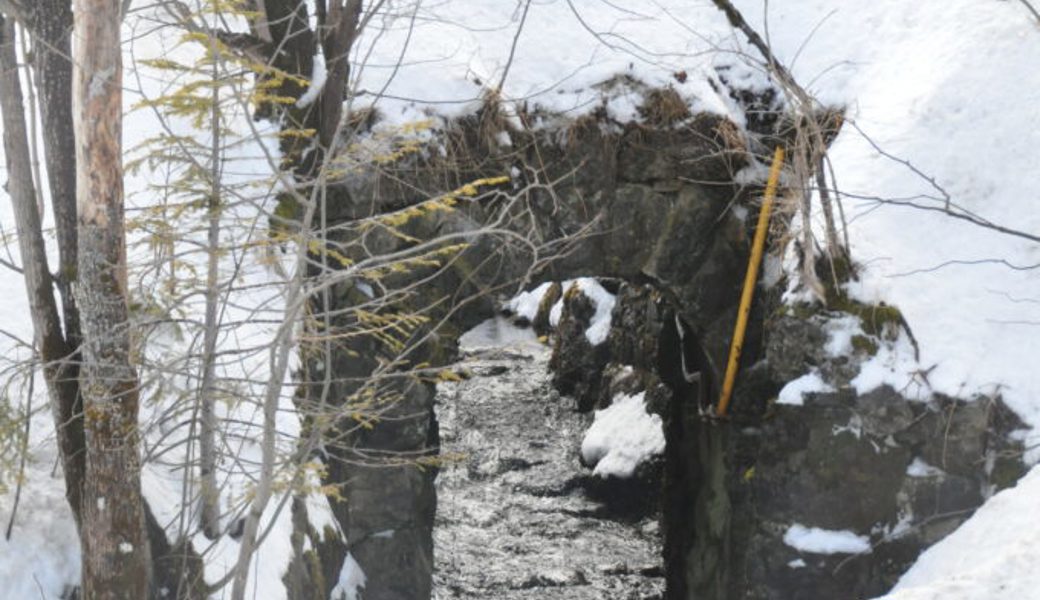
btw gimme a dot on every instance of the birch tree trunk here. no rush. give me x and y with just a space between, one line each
209 511
116 554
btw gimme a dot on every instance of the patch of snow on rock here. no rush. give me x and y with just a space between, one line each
825 541
919 468
351 580
525 304
622 437
794 391
604 301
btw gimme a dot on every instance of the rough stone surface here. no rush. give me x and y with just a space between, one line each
577 365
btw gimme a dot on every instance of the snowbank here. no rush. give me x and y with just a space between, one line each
992 556
951 87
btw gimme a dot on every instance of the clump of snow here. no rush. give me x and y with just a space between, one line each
793 393
825 541
919 468
894 365
599 328
317 83
622 437
351 581
840 332
525 304
992 556
599 325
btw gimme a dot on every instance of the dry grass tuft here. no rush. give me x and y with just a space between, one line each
664 107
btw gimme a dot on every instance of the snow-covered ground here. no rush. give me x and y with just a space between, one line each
952 87
990 557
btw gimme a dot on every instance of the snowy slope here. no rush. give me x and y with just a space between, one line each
952 88
990 557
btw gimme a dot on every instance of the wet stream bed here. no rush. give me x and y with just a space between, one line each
518 515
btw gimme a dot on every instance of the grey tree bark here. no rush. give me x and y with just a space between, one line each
209 512
116 553
58 338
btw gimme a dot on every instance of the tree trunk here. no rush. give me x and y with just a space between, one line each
209 512
50 23
50 342
116 554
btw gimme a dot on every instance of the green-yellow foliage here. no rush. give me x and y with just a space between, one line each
12 437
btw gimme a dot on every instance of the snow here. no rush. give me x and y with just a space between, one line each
825 541
794 391
992 556
525 305
919 468
599 327
952 88
622 437
351 580
317 83
840 332
457 51
894 365
42 556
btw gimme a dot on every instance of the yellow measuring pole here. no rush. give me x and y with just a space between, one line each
757 247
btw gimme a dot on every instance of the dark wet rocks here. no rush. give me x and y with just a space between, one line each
575 362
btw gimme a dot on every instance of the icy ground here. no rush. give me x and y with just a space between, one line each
514 517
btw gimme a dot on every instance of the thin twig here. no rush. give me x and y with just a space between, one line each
512 49
948 207
1031 9
25 452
